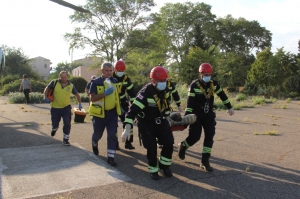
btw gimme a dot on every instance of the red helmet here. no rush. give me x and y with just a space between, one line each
120 66
205 68
158 73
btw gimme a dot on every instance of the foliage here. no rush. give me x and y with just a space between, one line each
259 100
240 97
292 84
112 22
18 97
65 66
16 62
242 36
37 86
188 69
79 83
8 79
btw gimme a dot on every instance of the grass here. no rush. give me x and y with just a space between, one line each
267 132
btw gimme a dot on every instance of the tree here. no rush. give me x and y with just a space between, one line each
65 66
109 26
177 23
242 36
16 62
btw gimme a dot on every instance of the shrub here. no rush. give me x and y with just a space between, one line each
83 98
259 100
240 97
18 97
9 78
37 86
79 83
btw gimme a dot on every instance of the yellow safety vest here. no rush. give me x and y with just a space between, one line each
97 108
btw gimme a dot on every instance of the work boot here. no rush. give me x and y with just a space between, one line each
205 162
166 170
128 145
206 166
181 151
53 132
154 176
95 148
111 161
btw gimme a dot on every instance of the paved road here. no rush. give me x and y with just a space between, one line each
35 165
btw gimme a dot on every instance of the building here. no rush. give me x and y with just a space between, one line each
41 65
84 70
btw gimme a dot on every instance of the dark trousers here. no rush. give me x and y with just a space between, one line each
65 114
110 122
208 123
26 93
149 131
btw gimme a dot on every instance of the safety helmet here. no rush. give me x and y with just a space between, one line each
205 68
120 66
158 73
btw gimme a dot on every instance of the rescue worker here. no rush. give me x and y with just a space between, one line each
151 107
201 102
124 87
173 96
60 107
105 108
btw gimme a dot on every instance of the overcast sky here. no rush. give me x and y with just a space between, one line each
38 26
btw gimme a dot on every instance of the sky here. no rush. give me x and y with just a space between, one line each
38 26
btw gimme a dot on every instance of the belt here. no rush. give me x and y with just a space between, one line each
110 110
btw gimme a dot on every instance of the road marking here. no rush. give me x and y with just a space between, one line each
42 170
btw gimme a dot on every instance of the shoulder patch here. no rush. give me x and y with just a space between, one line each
140 96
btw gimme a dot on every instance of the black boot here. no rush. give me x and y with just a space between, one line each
166 170
95 148
154 176
205 162
181 151
128 145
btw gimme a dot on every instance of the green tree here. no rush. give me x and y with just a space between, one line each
177 23
16 62
111 22
242 36
65 66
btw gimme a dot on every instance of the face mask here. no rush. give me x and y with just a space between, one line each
119 74
161 85
206 78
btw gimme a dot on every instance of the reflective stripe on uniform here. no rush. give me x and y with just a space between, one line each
165 161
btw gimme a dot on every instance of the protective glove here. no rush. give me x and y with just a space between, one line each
109 91
126 133
79 106
47 100
231 111
179 109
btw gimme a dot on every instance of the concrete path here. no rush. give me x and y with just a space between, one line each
248 162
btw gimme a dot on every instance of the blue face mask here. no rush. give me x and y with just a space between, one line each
206 78
161 85
119 74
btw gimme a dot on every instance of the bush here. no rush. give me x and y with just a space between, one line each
259 100
37 86
9 78
18 97
83 98
240 97
79 83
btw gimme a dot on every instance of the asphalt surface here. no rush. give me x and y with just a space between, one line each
247 162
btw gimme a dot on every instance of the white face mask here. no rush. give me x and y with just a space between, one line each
161 85
206 78
119 74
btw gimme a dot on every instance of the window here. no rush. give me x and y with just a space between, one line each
45 66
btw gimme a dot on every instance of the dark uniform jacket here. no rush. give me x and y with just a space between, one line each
173 92
146 106
196 98
125 85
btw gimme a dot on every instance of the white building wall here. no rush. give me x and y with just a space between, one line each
41 65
